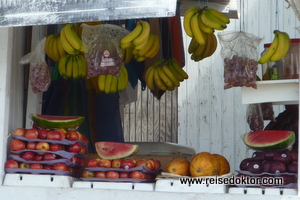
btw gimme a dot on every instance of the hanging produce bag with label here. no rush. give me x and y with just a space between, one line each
40 77
102 52
239 53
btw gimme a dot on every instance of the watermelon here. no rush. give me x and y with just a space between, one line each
114 150
56 122
270 139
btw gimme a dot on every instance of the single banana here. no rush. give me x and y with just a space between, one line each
178 68
60 49
193 45
69 68
101 82
75 71
203 27
164 77
73 37
223 18
171 76
128 55
154 48
132 35
108 81
65 43
149 78
158 82
48 49
282 47
121 83
187 20
211 46
176 73
198 34
126 45
270 51
144 36
211 21
124 71
114 84
82 65
197 54
62 65
54 49
147 47
140 58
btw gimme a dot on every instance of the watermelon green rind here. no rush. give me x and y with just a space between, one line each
115 150
57 122
269 139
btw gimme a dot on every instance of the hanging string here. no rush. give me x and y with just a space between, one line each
242 16
276 16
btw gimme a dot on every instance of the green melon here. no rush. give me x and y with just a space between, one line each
270 139
114 150
56 122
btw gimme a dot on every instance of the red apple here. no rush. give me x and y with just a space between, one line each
157 164
60 166
92 162
35 166
150 165
39 157
31 145
136 175
48 167
106 163
31 133
112 174
74 148
116 163
127 164
54 135
72 135
124 175
42 146
50 156
80 136
88 174
17 145
24 165
100 174
76 160
42 134
56 147
11 164
62 132
83 150
20 131
28 155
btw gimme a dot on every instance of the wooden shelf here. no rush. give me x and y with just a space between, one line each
276 91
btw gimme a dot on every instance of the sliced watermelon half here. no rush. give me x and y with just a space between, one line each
56 122
114 150
270 139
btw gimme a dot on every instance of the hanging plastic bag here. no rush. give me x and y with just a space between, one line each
39 75
102 52
255 117
239 52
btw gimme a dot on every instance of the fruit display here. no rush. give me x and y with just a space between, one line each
278 48
114 150
270 139
121 170
165 75
200 25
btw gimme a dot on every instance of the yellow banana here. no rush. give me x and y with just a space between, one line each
211 46
69 69
82 65
128 55
65 43
198 34
271 50
282 47
48 49
73 37
62 65
60 49
132 35
147 47
114 84
164 77
149 78
126 45
203 27
170 75
219 15
101 82
144 36
75 71
187 20
211 21
154 48
176 73
121 83
178 68
124 71
108 81
197 54
193 45
158 82
140 58
54 49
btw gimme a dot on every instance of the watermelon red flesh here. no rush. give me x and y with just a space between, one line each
114 150
269 139
55 122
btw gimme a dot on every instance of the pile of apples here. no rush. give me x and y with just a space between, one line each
35 148
127 168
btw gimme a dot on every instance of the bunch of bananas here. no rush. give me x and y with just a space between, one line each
53 47
165 75
72 66
112 84
70 40
140 42
278 48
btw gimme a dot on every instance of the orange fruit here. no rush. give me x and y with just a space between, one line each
204 164
224 164
179 166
